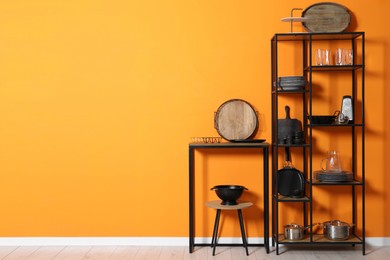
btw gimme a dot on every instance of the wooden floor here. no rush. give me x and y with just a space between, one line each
180 253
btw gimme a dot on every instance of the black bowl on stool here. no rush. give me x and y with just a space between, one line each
229 194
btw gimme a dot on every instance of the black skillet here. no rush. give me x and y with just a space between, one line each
290 181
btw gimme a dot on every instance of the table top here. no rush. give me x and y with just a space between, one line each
216 204
230 145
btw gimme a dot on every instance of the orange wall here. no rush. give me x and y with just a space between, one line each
99 100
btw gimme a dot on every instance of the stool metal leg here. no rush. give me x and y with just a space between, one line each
243 231
215 231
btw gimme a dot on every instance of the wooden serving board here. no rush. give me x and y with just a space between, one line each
287 127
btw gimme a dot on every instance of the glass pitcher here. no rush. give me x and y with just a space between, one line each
331 163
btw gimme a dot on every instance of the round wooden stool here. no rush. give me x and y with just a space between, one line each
216 204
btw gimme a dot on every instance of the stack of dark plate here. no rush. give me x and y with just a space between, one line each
291 83
326 176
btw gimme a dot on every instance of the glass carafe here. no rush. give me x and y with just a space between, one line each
331 163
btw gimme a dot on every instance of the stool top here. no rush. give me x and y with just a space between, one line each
216 204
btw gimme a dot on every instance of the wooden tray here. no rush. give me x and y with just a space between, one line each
326 17
236 119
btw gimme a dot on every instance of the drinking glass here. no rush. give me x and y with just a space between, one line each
339 59
319 57
348 57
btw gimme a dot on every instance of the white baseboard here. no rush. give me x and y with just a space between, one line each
378 241
93 241
229 240
140 241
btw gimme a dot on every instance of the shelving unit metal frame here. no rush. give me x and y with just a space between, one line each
308 69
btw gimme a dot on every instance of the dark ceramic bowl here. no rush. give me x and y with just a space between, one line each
229 194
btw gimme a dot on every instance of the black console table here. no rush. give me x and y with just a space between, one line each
226 145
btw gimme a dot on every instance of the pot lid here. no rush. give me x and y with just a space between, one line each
293 226
337 223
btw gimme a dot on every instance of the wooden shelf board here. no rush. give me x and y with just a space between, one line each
318 239
336 183
289 199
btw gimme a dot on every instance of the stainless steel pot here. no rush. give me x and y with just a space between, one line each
294 231
337 230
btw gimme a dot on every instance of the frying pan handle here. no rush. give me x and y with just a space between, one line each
288 155
287 108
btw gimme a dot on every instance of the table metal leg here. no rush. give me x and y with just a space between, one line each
266 206
191 201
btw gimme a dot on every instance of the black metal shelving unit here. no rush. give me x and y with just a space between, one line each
356 131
